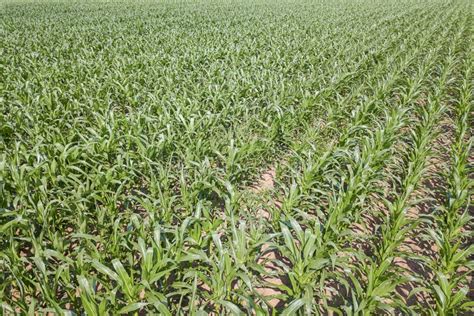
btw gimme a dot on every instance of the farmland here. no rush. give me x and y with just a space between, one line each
236 157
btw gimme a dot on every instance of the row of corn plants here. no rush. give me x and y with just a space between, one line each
304 278
450 228
381 277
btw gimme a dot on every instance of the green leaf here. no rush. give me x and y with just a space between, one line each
131 307
293 307
103 269
234 309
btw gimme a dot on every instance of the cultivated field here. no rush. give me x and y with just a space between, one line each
236 157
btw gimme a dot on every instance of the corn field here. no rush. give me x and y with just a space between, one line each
236 157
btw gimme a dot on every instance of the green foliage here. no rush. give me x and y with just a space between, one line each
133 134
